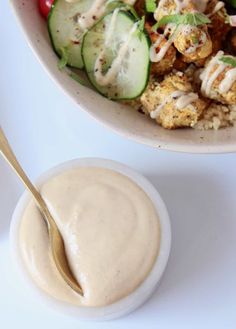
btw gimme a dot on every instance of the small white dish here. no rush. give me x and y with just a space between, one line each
117 117
143 292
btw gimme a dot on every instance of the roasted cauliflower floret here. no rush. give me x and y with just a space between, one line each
193 42
165 65
171 7
172 103
219 79
218 28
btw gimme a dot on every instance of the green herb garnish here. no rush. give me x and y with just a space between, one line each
141 24
150 6
232 2
64 58
195 40
195 19
228 60
132 11
113 4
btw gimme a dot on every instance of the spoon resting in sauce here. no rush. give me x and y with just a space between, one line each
56 240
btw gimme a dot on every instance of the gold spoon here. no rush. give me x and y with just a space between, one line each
56 241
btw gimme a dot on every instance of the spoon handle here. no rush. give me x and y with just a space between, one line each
57 243
8 154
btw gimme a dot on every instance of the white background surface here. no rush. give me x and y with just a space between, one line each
198 289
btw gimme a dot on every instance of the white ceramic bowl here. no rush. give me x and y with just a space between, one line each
143 292
117 117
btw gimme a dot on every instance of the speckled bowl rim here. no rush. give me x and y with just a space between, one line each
130 124
143 292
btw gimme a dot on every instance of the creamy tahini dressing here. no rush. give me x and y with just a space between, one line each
182 100
95 12
130 2
185 100
219 5
228 81
180 5
214 68
158 56
188 29
110 229
86 20
200 5
170 30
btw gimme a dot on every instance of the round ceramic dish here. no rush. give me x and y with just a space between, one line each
119 118
143 292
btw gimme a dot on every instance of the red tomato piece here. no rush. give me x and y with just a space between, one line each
45 6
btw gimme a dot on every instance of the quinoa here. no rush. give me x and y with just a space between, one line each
217 116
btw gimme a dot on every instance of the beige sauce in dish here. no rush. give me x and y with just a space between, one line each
111 232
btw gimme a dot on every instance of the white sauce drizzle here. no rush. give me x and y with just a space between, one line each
205 75
183 100
188 29
208 77
153 53
180 5
213 77
200 5
96 11
111 28
160 4
186 100
185 30
129 2
229 80
109 77
158 56
219 5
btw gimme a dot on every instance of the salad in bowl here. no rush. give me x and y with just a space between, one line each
173 60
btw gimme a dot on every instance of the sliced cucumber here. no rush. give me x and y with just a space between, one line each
65 32
132 76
